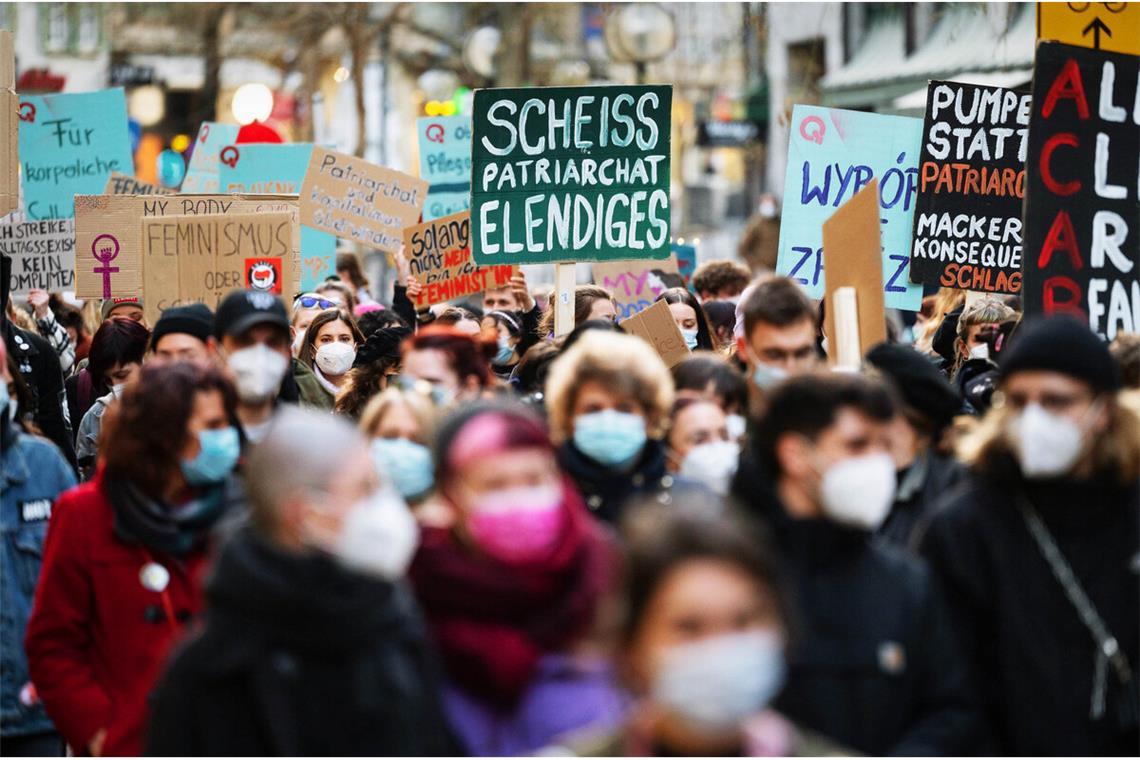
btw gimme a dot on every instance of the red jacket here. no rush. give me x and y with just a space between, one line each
97 639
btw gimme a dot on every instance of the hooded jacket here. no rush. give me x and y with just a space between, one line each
300 657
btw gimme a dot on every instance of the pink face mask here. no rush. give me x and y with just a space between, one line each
518 525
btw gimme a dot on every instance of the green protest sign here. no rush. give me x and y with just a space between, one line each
570 174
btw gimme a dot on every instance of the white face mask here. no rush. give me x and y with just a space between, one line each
258 371
117 390
980 351
297 343
859 491
379 537
713 464
1048 445
767 376
335 359
736 425
715 683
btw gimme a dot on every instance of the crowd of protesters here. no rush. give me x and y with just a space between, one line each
344 528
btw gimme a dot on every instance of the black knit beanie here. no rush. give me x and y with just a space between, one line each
194 319
1064 345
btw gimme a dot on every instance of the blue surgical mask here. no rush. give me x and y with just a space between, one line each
765 376
219 451
406 463
506 351
610 437
690 337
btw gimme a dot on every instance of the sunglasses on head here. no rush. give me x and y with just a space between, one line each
308 302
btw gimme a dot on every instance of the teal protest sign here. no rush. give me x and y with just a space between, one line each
445 162
276 169
570 174
832 155
202 173
71 144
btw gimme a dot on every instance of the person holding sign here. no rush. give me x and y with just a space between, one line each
875 665
1038 550
125 556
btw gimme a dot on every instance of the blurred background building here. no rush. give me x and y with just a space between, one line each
355 76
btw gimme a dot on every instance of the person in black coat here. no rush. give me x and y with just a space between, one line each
873 662
1053 492
924 472
312 644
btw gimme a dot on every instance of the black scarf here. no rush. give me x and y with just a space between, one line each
139 519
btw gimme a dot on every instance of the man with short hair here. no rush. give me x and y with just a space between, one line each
253 329
130 307
779 332
185 333
720 280
311 644
874 664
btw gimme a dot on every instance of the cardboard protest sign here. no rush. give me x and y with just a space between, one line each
967 218
108 259
42 253
202 171
120 184
1082 210
570 174
832 155
9 105
356 200
445 162
279 169
852 246
655 325
70 144
439 255
189 259
634 284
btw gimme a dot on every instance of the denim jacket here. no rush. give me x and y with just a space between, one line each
32 474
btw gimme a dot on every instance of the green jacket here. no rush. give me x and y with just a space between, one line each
311 391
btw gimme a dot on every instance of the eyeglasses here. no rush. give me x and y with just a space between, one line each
308 302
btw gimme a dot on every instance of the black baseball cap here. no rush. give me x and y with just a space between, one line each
243 309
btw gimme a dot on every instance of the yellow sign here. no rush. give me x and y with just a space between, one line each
1102 26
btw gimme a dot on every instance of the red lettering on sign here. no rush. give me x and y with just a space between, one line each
1068 84
1058 188
1061 237
1060 285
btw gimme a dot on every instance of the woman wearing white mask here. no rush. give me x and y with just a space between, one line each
700 446
701 643
875 664
690 319
608 400
1039 549
982 331
329 349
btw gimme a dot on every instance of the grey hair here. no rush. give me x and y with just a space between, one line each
302 451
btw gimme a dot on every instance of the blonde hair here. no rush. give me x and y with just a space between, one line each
624 364
988 311
422 409
1116 450
946 301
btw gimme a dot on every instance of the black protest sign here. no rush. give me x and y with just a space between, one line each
967 219
570 174
1082 206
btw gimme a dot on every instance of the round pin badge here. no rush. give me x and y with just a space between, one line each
28 695
154 577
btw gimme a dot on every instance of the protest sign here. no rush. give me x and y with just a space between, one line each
108 259
852 249
1102 26
9 104
445 162
191 259
120 184
202 171
439 255
655 326
1082 210
279 169
70 144
686 257
42 253
359 201
967 218
570 174
634 284
832 155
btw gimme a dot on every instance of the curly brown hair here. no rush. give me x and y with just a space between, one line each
710 278
144 433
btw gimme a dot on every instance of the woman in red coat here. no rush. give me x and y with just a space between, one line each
124 555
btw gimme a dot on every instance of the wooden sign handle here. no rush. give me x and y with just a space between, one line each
846 346
563 305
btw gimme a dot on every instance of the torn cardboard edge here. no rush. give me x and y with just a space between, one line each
852 257
656 327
